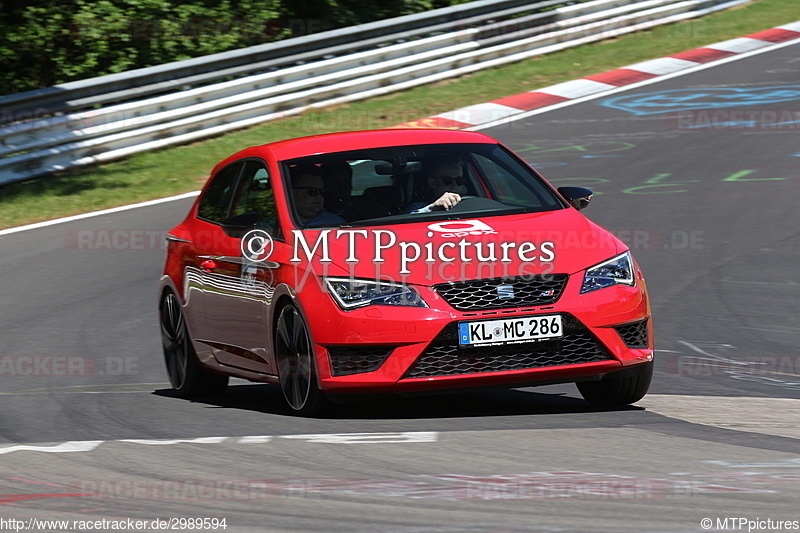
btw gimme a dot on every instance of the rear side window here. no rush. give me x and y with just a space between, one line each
216 200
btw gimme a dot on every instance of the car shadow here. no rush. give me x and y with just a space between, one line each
268 399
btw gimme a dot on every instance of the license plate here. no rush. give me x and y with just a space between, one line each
509 330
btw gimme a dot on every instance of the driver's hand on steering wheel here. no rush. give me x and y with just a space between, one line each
446 201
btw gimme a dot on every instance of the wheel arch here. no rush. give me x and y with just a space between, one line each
167 284
283 296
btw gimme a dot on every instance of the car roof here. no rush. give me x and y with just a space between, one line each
355 140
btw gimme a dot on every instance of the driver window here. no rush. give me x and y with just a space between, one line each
256 197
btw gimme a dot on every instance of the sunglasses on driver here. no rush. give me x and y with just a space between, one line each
449 180
311 191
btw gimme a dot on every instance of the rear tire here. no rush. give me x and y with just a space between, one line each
620 388
296 366
187 377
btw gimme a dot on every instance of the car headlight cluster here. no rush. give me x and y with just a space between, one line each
350 293
616 271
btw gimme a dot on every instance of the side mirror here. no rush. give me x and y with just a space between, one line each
577 197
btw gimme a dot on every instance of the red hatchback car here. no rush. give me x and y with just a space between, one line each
395 261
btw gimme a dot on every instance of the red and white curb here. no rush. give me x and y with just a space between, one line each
511 106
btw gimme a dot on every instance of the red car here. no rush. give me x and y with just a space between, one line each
394 261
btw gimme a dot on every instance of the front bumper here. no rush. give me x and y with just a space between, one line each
400 349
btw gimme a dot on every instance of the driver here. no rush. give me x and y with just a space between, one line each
444 185
308 189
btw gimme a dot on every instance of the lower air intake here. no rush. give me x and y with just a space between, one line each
357 358
444 357
635 334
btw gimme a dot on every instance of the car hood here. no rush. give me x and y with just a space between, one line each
437 251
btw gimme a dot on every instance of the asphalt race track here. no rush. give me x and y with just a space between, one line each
699 174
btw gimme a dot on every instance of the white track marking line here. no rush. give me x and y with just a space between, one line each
97 213
167 442
322 438
64 447
368 438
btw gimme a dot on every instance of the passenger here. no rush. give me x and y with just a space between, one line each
308 190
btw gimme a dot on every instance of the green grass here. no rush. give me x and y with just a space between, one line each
185 168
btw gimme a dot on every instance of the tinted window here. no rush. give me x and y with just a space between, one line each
217 198
254 196
398 182
509 182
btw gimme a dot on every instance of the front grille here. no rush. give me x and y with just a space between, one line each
523 291
444 357
357 358
634 334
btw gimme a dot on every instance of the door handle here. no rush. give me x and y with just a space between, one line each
208 265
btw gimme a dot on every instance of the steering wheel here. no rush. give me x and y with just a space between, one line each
476 203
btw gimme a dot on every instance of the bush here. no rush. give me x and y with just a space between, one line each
46 42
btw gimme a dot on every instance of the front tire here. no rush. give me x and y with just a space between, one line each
620 388
295 358
187 377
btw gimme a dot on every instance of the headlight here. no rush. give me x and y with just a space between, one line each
616 271
351 293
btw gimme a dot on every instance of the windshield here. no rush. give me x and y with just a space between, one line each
402 184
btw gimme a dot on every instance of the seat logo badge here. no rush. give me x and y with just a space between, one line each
505 292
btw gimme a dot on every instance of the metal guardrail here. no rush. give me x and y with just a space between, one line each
142 110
